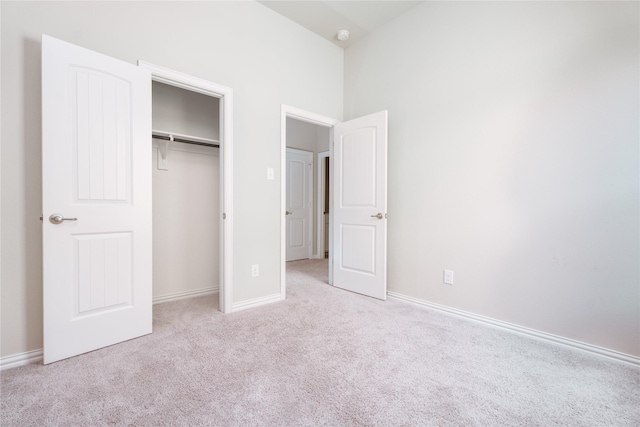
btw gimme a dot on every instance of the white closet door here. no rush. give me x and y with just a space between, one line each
96 151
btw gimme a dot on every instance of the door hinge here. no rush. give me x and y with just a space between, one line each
224 215
41 217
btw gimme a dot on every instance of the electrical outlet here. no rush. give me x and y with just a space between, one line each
255 270
448 277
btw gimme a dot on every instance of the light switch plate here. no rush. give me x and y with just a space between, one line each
270 174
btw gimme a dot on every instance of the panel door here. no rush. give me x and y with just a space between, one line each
299 207
359 240
96 170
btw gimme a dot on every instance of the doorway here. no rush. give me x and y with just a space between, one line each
225 99
296 122
357 200
186 184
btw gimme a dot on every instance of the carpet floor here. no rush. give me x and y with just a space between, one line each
322 357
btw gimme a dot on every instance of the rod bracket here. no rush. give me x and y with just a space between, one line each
163 154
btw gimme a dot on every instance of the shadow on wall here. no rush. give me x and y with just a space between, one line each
32 146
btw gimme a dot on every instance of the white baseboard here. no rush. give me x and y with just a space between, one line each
187 294
527 332
34 356
21 359
256 302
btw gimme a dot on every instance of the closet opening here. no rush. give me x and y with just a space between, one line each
186 193
192 187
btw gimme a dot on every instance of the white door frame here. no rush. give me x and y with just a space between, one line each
309 190
322 177
309 117
225 94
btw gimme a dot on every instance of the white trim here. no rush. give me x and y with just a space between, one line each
527 332
331 210
322 175
35 356
187 294
21 359
256 302
185 81
225 94
305 116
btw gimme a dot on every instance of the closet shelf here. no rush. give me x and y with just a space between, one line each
187 139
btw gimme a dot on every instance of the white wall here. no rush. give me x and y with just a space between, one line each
185 112
265 58
323 137
302 135
513 160
186 221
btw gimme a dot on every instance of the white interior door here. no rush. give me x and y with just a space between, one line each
96 170
359 171
299 199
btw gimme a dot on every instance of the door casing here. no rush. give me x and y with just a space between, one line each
225 94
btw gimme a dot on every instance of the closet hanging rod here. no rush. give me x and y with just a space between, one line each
185 139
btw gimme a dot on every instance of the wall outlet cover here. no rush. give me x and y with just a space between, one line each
448 277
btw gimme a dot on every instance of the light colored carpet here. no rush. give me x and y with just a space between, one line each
322 357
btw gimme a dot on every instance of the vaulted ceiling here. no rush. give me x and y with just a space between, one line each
326 18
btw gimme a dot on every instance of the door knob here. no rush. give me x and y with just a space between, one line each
379 216
59 219
288 212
